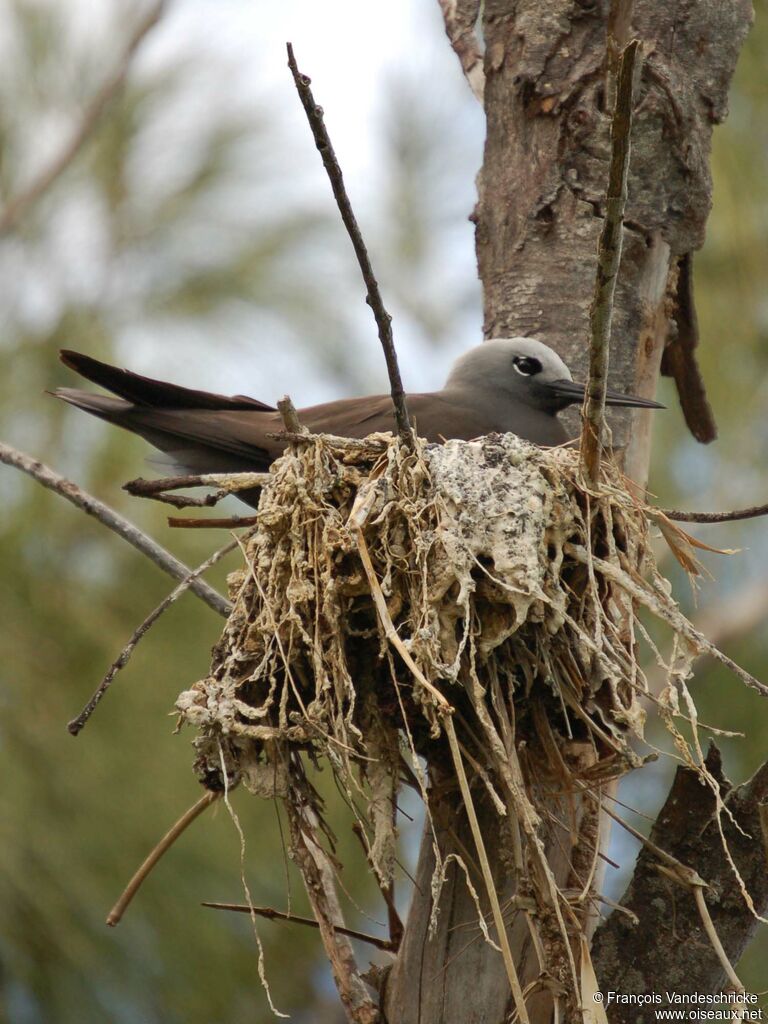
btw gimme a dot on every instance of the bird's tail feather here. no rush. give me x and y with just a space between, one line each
145 391
104 406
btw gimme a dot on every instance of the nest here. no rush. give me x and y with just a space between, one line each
474 589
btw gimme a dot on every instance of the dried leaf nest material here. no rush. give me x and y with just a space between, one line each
484 558
473 604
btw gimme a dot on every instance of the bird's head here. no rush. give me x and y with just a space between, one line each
530 372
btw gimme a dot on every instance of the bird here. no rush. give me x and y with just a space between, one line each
504 385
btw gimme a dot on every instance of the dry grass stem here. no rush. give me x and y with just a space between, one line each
470 606
608 262
115 915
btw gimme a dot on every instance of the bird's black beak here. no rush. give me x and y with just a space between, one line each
569 392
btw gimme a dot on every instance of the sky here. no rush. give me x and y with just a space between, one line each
353 53
233 59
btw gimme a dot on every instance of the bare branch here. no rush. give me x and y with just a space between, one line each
19 204
608 261
229 523
180 501
715 517
649 956
116 913
122 660
317 874
230 481
227 483
460 17
113 521
290 416
373 298
279 915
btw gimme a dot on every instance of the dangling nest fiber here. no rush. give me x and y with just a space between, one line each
382 585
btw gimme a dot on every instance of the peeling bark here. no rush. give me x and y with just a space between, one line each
545 168
655 955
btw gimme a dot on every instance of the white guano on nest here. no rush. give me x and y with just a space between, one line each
382 585
479 552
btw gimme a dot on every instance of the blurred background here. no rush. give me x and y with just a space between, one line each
194 238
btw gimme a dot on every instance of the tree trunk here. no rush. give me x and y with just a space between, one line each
539 214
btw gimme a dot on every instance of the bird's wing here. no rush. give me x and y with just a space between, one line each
241 434
198 440
436 417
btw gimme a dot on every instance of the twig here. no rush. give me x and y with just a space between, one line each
460 17
714 938
116 913
230 523
290 416
227 483
279 915
18 205
317 874
122 660
618 35
182 501
113 521
715 517
608 261
373 298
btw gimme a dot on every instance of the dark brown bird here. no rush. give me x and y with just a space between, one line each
507 385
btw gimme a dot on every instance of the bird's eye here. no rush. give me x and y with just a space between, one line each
526 365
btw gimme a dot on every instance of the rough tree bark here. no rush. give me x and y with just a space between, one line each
538 218
687 828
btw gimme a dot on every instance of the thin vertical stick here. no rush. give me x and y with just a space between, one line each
373 298
316 871
608 261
